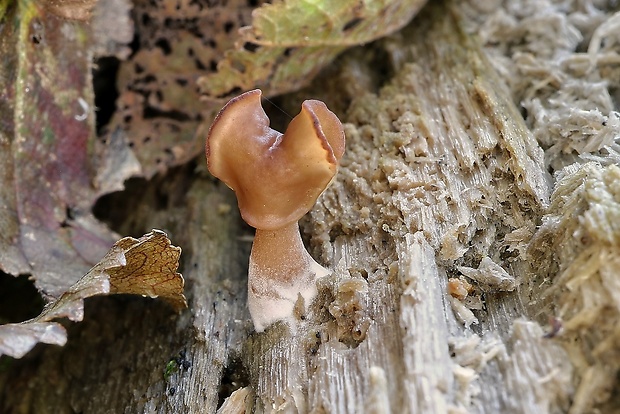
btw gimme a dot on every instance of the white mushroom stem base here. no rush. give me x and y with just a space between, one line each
280 270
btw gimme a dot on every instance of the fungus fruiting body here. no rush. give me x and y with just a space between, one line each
277 179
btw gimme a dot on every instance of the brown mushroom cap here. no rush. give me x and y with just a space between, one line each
277 177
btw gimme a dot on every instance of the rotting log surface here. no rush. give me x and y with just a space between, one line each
440 172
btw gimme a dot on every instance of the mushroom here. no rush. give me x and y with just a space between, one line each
277 179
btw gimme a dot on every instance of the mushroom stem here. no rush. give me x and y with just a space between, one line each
280 270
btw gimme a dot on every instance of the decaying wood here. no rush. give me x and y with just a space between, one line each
441 179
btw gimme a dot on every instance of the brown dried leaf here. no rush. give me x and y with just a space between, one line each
146 266
158 109
224 48
71 9
150 269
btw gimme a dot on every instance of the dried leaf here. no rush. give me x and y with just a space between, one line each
112 28
72 9
46 144
146 266
17 339
223 48
158 109
290 41
150 269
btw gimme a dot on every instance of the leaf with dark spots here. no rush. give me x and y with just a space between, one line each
192 52
158 95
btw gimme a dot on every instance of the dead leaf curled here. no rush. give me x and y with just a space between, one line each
146 266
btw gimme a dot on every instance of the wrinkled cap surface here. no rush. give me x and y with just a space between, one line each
276 177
